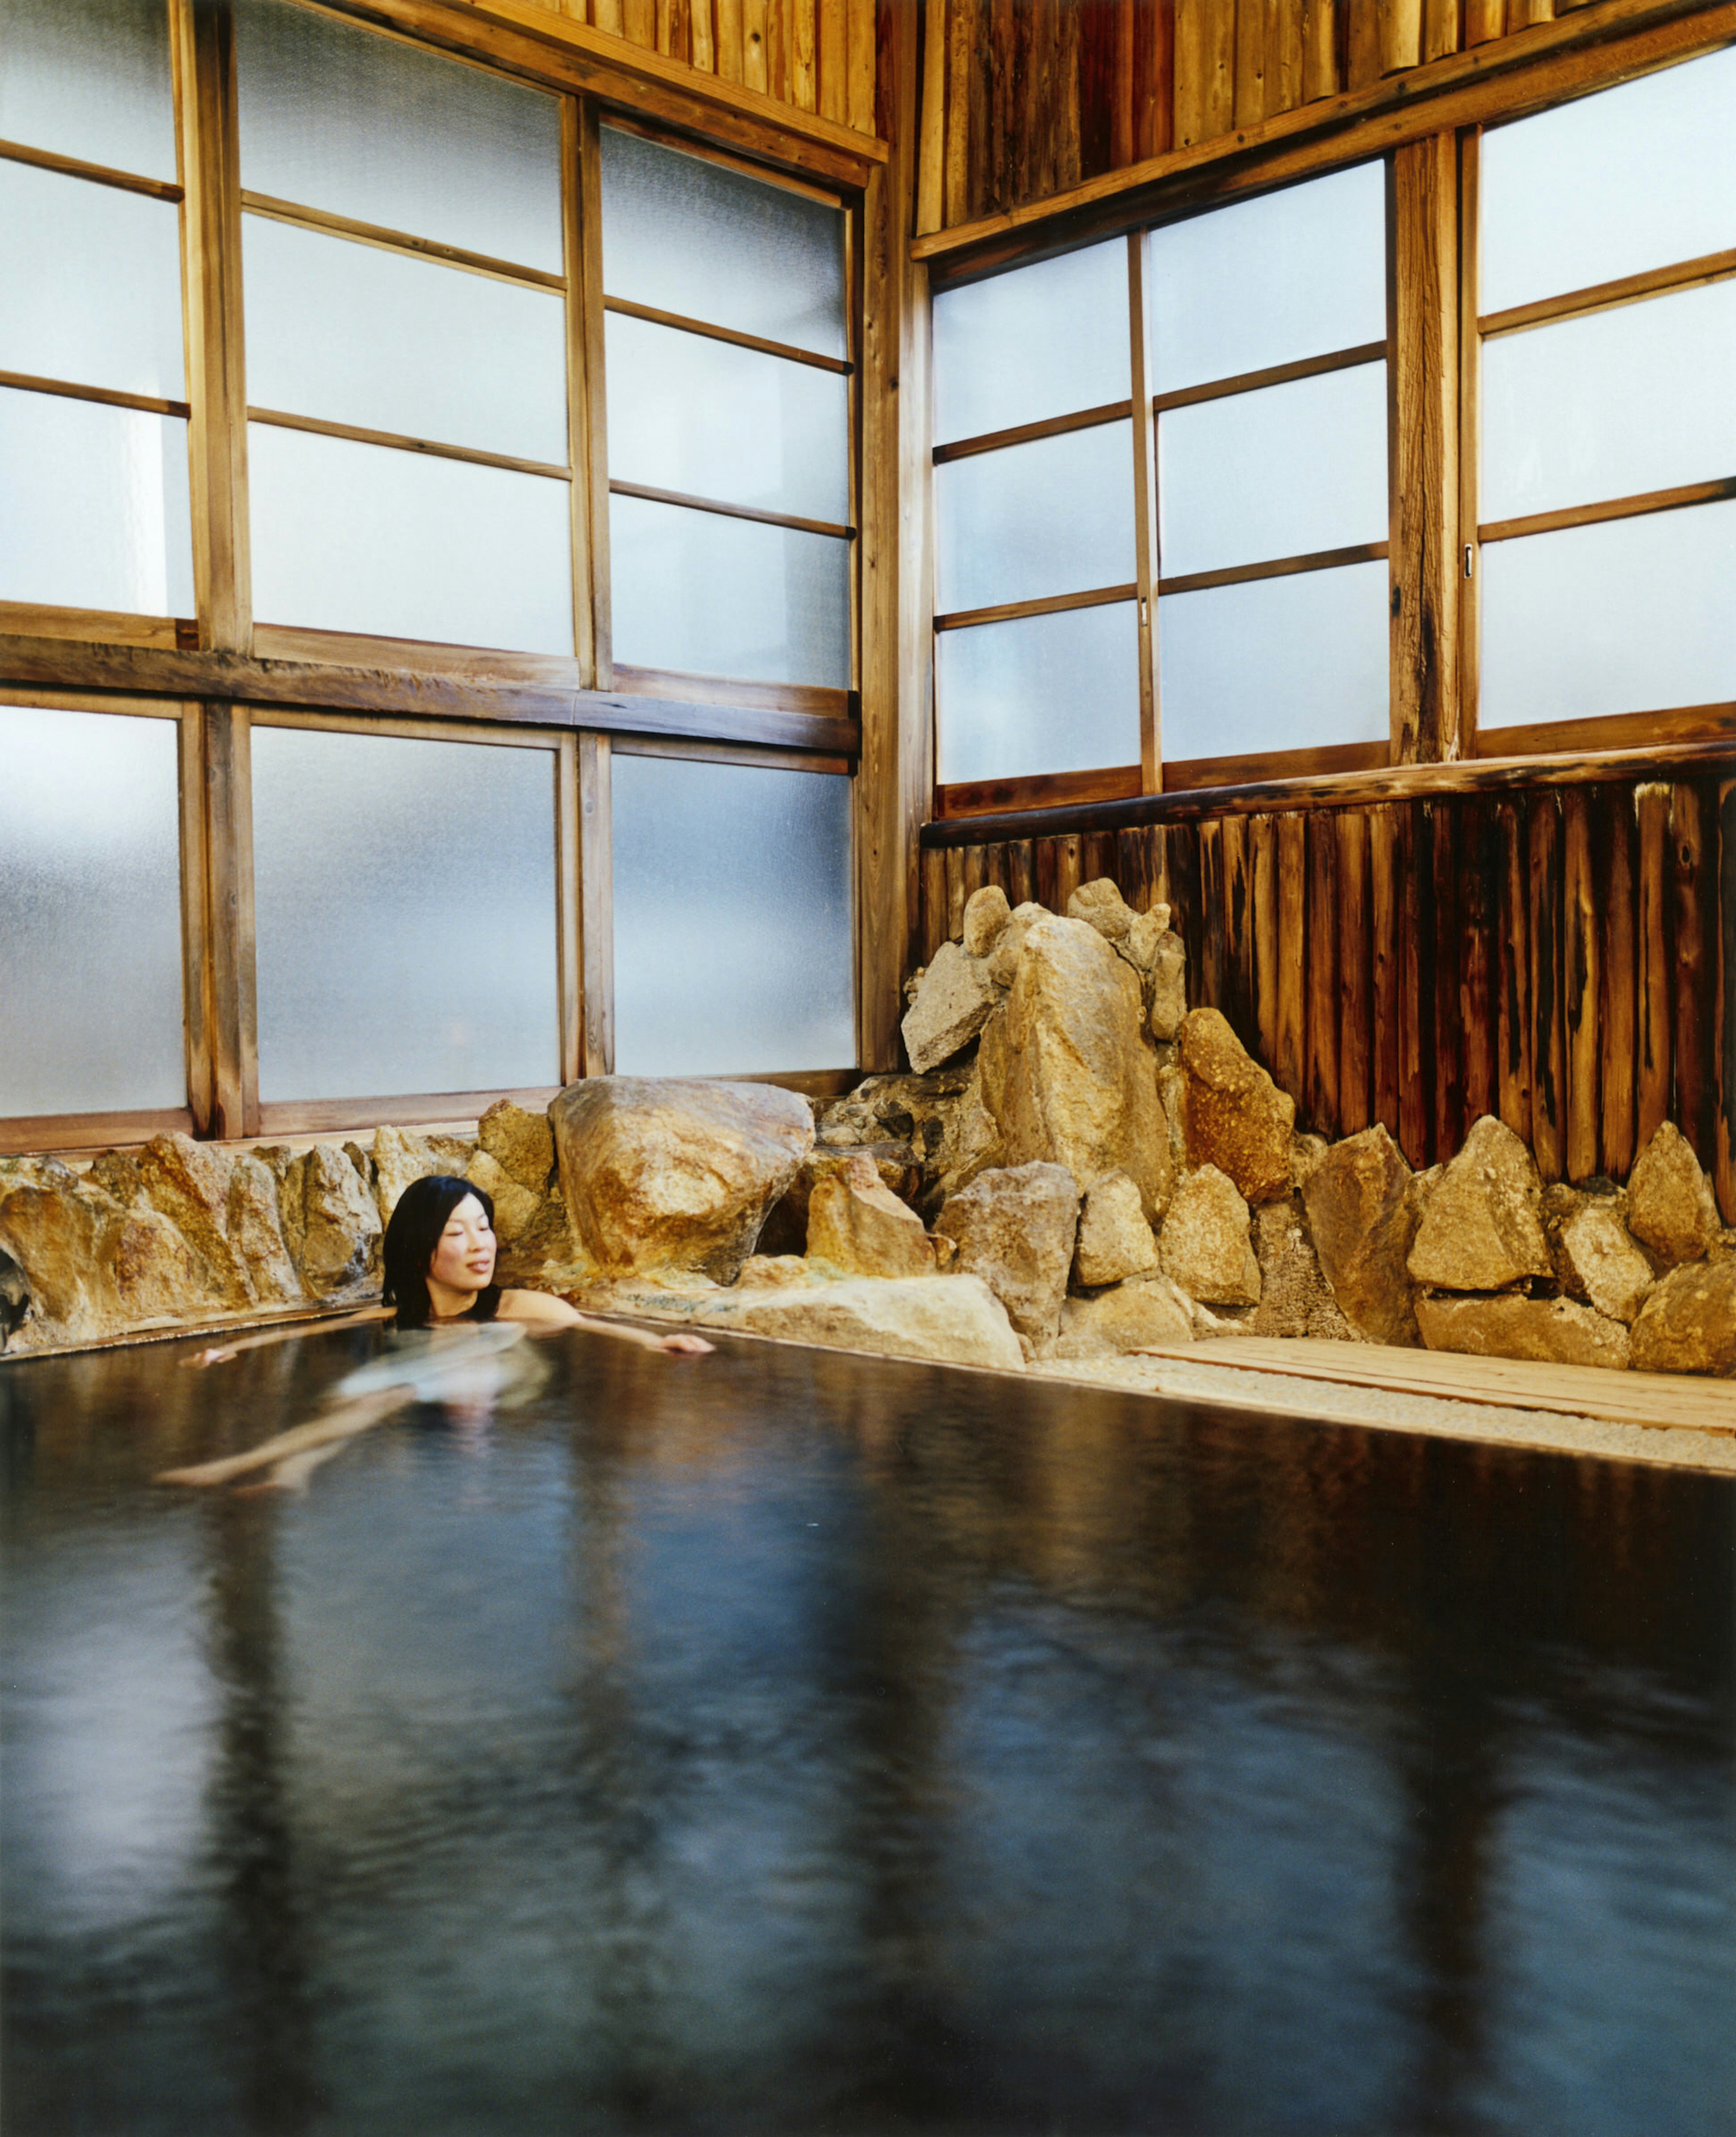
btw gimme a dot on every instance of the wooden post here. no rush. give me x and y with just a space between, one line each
1479 903
1249 92
1416 987
1384 973
1447 1061
568 914
1321 1070
196 892
1724 1170
596 905
1238 933
1581 985
1651 812
1400 35
231 1008
1693 966
1320 50
956 892
1144 524
1213 957
1513 975
1613 886
1263 867
1354 1001
934 904
590 416
1292 952
1547 1064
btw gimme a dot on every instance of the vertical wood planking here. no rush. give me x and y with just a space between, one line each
832 59
804 55
1485 21
1416 990
1213 950
1400 35
861 59
955 894
1283 55
755 48
1513 974
672 29
778 31
232 1011
1069 872
1022 872
607 15
1653 1073
596 905
1361 42
1521 14
1262 863
1181 861
931 161
934 902
1547 1064
1003 101
1355 1003
1238 931
1122 83
638 23
1724 1164
729 42
1612 872
1479 907
1292 952
1383 973
1191 47
1320 50
1153 108
569 910
1446 1059
1582 988
974 875
1320 1068
1440 28
196 889
1694 949
956 189
1065 85
1248 82
1133 868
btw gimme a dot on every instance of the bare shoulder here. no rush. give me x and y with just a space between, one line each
541 1308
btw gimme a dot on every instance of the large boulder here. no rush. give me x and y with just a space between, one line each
1144 1313
970 1144
956 1320
1068 1076
893 1164
1361 1217
671 1174
401 1155
1555 1331
94 1268
188 1182
1482 1228
522 1143
1101 905
1688 1325
1015 1228
1204 1241
1115 1240
1237 1117
254 1223
331 1222
857 1225
1295 1297
515 1205
952 1006
986 914
1599 1263
1010 943
1671 1208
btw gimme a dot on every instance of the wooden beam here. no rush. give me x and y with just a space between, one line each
569 917
231 1009
196 979
597 907
1144 524
587 440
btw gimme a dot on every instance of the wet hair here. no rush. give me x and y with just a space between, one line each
412 1234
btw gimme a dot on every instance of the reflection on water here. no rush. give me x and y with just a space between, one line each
786 1742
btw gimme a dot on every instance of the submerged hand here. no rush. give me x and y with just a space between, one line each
218 1355
685 1346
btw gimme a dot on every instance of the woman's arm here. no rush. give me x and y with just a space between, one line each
219 1352
541 1309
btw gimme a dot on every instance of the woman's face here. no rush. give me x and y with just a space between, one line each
463 1260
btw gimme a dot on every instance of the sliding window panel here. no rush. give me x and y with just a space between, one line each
90 78
1625 615
1299 662
709 595
1296 274
355 334
90 284
681 234
1044 340
1632 178
405 901
707 417
755 864
1052 517
1057 692
94 506
334 117
90 914
1285 471
1622 402
358 538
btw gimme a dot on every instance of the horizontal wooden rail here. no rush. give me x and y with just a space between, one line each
398 241
689 503
1028 434
355 434
1610 507
1608 296
1278 568
962 619
149 404
684 324
101 174
1275 374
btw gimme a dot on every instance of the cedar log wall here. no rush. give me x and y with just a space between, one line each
1563 956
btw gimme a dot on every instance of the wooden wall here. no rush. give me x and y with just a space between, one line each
1562 955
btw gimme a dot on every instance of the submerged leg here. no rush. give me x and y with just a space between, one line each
342 1422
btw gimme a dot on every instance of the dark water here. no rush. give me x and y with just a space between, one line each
790 1743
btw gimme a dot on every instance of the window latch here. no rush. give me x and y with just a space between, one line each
1469 552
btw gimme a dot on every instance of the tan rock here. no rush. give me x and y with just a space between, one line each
1100 902
1305 1153
986 914
1237 1117
1143 943
970 1144
254 1223
401 1155
1601 1263
94 1269
1361 1221
1015 1228
546 1255
1482 1228
951 1008
857 1225
1068 1076
1168 987
893 1165
1142 1312
959 1322
1295 1297
515 1206
331 1222
1004 958
760 1272
1688 1325
1556 1331
1204 1241
1115 1240
521 1142
675 1174
157 1278
188 1181
1670 1209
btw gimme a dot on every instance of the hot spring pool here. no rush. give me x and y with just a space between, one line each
789 1742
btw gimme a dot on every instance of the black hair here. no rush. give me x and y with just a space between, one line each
412 1234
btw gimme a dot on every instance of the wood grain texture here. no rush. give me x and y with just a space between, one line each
1362 42
1513 971
1613 875
1440 28
1724 1006
1485 21
1355 1053
1292 1027
569 911
1320 1089
1283 54
597 906
1548 1072
1479 878
1383 971
1695 953
1262 851
1446 1061
196 993
1238 933
1582 986
1248 94
1320 50
231 1014
1415 949
1400 35
1654 1082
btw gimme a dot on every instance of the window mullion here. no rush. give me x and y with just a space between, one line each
1145 506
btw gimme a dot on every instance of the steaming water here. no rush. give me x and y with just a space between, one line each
783 1742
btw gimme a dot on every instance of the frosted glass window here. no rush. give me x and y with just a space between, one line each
1043 340
349 536
716 420
90 914
708 595
1058 692
333 116
1634 178
683 235
94 506
89 78
1282 472
1294 663
359 335
1295 274
756 865
1614 405
90 284
1627 615
1053 517
404 894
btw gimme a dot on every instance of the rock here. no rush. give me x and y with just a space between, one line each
1305 1153
1295 1297
969 1146
959 1322
951 1006
1115 1240
188 1182
1361 1220
1014 1228
1142 945
1100 903
1482 1228
401 1155
1688 1325
1068 1076
1145 1312
1600 1262
158 1277
331 1222
515 1205
1670 1206
760 1271
521 1142
254 1226
93 1268
986 914
857 1225
1204 1241
1557 1331
893 1164
1237 1119
1168 987
675 1174
546 1255
1004 959
14 1298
